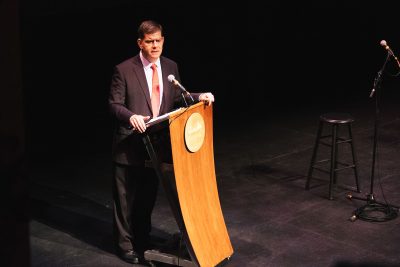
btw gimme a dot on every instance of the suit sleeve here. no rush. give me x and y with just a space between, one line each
116 99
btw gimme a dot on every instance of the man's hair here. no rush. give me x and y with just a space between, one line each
149 27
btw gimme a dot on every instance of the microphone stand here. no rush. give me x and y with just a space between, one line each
171 78
184 98
372 207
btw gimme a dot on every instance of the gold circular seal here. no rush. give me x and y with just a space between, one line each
194 132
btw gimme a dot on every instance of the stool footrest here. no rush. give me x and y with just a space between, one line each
342 141
345 167
335 170
320 162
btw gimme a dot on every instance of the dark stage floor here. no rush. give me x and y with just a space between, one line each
261 164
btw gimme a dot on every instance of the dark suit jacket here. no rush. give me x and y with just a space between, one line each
129 94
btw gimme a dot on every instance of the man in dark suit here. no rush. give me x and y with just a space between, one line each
139 91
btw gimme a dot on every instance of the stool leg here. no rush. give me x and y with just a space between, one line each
314 155
333 160
336 137
354 158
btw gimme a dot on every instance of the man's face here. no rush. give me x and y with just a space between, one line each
151 46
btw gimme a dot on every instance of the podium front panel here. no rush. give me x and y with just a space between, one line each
197 188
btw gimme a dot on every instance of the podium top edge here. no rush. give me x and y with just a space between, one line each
172 114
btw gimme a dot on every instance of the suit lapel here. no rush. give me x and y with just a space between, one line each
139 71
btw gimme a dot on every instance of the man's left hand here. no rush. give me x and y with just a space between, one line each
208 98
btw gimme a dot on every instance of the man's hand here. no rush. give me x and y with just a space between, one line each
208 98
138 122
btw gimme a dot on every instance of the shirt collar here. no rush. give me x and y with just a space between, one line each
147 64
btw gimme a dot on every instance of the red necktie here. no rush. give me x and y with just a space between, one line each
155 93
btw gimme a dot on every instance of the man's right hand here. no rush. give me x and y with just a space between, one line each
138 122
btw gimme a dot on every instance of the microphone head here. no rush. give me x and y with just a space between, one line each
171 78
383 43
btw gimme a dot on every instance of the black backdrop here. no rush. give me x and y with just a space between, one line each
257 59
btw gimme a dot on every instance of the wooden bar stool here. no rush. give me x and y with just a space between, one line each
334 120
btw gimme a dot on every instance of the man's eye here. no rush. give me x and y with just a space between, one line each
152 41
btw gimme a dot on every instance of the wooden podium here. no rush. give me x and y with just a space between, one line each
192 191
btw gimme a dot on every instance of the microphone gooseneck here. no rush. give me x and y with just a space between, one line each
171 79
384 44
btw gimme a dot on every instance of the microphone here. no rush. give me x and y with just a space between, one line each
377 80
171 78
384 44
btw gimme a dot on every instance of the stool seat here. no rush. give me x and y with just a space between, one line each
337 118
335 121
